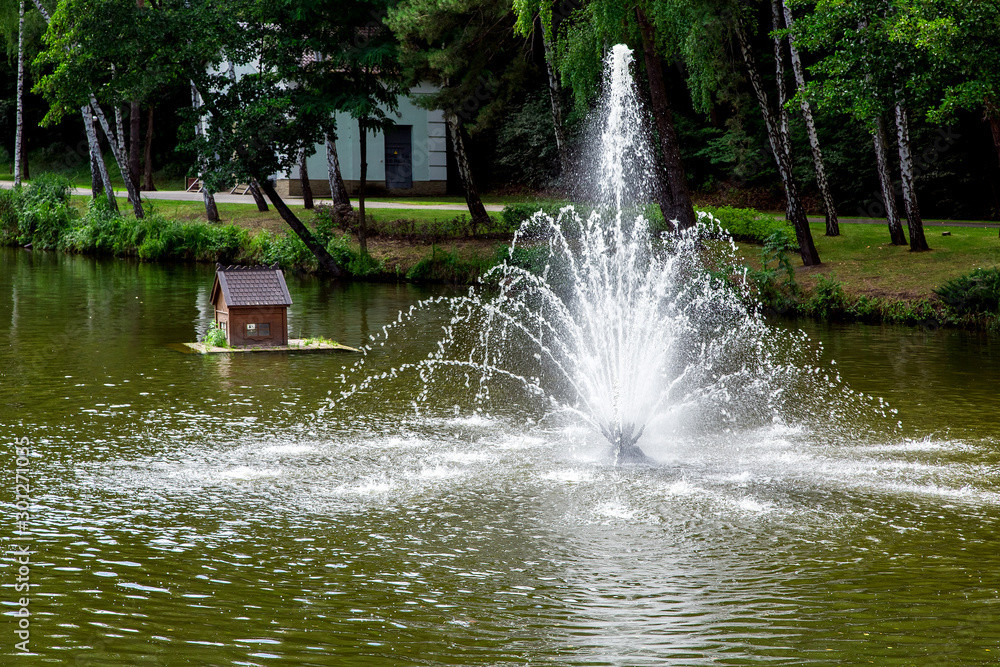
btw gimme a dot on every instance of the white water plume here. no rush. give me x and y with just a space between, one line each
605 319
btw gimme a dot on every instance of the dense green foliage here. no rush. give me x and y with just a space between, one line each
975 292
215 336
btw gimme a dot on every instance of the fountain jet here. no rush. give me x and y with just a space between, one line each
605 320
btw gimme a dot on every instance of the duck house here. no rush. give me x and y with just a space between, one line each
251 305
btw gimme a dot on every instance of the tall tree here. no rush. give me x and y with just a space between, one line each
866 75
468 49
829 207
307 193
782 152
338 191
19 121
79 41
537 15
896 235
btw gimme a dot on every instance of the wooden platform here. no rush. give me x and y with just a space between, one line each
294 345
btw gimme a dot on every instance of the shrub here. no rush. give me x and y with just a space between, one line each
751 226
774 283
975 292
444 266
43 210
8 217
829 300
215 336
514 215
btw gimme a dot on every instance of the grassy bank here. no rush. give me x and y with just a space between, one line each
865 279
862 278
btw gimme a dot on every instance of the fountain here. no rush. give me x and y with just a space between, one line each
609 321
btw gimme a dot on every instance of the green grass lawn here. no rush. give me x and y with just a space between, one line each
860 258
866 263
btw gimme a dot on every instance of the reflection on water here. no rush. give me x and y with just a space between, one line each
195 509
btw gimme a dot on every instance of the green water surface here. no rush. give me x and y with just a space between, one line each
218 510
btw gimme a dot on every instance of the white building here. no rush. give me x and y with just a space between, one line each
412 159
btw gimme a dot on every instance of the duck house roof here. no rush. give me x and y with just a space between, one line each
251 286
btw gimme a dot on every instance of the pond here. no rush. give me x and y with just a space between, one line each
214 509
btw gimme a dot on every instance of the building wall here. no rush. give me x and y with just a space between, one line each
429 154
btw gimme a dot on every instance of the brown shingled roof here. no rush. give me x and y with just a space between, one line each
251 286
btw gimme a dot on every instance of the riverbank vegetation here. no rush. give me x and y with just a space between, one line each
864 278
857 108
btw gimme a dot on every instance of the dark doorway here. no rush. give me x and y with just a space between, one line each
399 158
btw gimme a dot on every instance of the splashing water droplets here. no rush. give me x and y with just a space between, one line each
596 317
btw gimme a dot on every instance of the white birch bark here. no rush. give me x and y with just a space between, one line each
97 160
794 212
913 220
896 234
555 98
832 223
19 135
133 193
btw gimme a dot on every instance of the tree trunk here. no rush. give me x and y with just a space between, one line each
993 118
475 204
326 261
133 194
119 125
885 180
779 78
211 210
41 9
913 220
147 153
832 223
134 142
555 98
362 222
338 191
96 182
258 198
97 161
307 192
675 198
796 214
19 131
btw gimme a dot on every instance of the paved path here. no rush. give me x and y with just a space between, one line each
927 223
226 198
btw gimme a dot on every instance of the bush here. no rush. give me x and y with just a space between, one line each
8 217
973 293
215 336
444 266
829 301
751 226
514 215
102 231
43 210
774 283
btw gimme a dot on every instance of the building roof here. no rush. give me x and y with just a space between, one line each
251 286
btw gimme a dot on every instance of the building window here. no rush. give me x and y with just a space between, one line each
259 329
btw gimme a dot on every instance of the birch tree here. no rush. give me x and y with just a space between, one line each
867 75
782 152
829 207
19 117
